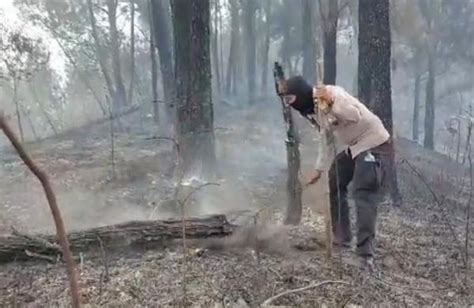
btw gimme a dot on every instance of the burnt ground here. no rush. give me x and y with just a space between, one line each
420 246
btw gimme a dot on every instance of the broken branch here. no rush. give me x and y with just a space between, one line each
60 229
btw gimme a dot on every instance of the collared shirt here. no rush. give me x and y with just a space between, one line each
348 123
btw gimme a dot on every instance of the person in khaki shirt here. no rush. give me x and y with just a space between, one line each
344 119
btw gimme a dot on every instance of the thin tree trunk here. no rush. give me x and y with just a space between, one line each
294 206
285 48
164 43
17 108
43 111
416 105
30 122
120 98
330 21
132 51
221 40
215 49
154 66
100 50
195 118
430 104
308 43
266 46
234 41
251 42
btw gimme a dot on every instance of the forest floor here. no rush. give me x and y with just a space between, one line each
420 246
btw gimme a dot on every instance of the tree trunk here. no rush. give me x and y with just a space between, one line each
138 234
164 43
120 98
375 71
154 66
294 207
215 48
330 21
17 108
30 122
308 43
416 94
430 104
42 109
195 119
132 51
266 46
231 85
100 53
251 42
285 46
294 189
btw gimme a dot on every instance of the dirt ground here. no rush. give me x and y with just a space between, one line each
420 246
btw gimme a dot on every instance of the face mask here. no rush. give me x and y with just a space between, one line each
300 95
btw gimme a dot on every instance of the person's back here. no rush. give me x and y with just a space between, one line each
357 127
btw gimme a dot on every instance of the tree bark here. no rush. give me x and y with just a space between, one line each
374 71
154 66
294 189
164 43
132 51
430 104
120 98
266 46
251 42
308 43
195 115
17 108
416 94
330 21
231 85
100 53
128 234
215 48
294 207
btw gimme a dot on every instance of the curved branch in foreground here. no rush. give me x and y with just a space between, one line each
311 286
60 229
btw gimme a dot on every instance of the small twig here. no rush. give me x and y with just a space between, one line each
311 286
407 287
440 205
104 259
468 218
112 141
56 213
271 269
185 200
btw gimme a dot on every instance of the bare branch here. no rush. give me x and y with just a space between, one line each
311 286
60 228
439 203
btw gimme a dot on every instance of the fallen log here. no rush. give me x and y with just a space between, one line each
136 234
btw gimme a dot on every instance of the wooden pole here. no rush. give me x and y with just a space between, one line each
325 188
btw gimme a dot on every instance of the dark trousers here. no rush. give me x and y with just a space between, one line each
367 177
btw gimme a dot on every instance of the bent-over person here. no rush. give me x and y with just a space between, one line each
342 118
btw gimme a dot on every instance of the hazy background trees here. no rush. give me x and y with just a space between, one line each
91 55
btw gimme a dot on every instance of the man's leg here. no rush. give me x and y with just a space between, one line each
338 183
367 195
